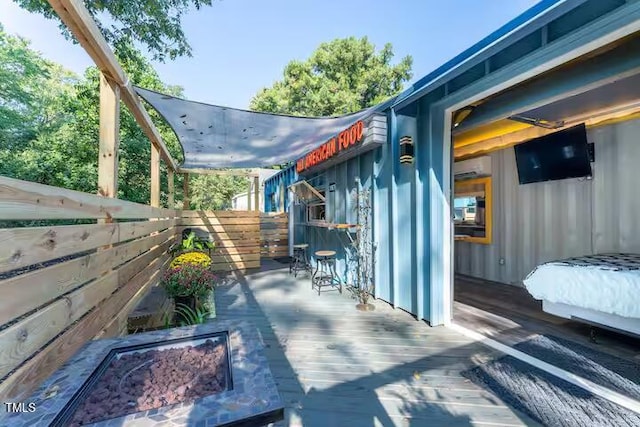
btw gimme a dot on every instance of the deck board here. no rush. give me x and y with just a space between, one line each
336 366
510 315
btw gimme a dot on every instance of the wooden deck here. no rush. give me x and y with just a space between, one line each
336 366
510 315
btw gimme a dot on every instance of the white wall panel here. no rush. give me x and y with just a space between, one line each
535 223
617 205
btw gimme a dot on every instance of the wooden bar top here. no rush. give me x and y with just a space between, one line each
330 225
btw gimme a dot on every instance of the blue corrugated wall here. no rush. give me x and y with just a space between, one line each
411 202
395 225
272 188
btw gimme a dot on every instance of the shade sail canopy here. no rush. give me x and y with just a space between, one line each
214 137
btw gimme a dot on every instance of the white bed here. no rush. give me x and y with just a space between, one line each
601 289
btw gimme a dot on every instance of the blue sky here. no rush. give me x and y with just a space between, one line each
240 46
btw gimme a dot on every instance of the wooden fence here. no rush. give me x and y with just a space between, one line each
236 233
62 285
274 235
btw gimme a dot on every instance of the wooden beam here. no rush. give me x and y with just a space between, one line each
256 193
249 195
222 172
186 201
171 189
155 177
109 138
80 23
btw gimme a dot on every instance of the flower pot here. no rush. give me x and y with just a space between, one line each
365 307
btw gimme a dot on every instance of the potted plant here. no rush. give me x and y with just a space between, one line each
192 242
188 283
193 258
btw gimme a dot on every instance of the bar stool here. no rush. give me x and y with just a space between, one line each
325 274
299 261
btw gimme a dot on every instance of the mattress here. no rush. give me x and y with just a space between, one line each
606 282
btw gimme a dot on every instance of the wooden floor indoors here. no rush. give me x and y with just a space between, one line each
336 366
509 314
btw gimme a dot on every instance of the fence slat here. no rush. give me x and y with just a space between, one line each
19 341
24 200
21 247
31 290
238 266
220 220
215 259
29 375
210 228
219 214
274 233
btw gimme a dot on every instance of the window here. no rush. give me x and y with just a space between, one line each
472 210
313 198
316 211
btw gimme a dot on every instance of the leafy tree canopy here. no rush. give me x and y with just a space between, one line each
156 25
342 76
214 192
50 123
49 127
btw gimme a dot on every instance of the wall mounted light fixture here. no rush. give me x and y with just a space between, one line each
406 150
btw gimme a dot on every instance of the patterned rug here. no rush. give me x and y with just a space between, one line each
552 401
601 368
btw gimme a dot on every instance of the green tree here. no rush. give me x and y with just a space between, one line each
340 77
22 75
135 147
156 25
214 192
51 123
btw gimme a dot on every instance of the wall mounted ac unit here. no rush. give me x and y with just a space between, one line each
472 168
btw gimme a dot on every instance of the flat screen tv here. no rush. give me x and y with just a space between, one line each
559 155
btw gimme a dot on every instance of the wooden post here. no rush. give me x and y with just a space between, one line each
249 194
109 138
170 189
185 193
155 176
256 192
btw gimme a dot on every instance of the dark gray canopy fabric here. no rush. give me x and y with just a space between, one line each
214 137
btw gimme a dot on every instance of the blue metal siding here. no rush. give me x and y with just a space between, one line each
438 199
381 229
339 209
404 226
423 212
285 177
411 203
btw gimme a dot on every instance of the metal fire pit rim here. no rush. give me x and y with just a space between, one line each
254 394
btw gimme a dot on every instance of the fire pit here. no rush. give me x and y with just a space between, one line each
211 374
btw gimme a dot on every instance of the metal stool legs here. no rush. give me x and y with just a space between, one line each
299 261
325 274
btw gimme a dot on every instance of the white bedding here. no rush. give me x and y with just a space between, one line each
609 283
